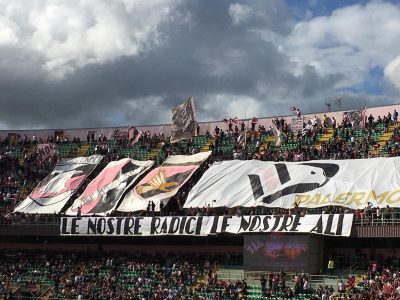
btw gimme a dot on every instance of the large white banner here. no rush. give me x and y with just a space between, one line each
161 183
104 192
54 191
297 124
334 225
183 121
349 183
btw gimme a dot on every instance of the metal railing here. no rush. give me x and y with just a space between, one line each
42 221
20 289
314 280
369 218
352 270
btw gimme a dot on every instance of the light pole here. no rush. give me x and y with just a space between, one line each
339 102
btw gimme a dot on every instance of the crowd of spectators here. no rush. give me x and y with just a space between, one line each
349 140
26 269
381 282
279 285
121 140
98 275
102 275
22 166
221 289
18 176
134 276
13 184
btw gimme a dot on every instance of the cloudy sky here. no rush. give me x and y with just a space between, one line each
89 63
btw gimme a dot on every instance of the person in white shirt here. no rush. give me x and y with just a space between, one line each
341 287
315 122
305 286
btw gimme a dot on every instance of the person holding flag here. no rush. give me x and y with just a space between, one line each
295 111
229 122
235 120
254 122
277 133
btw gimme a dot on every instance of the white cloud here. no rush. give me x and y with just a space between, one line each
153 110
8 32
392 72
220 106
239 13
69 35
350 41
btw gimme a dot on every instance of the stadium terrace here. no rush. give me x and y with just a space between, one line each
288 206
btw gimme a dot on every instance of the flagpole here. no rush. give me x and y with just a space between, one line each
245 135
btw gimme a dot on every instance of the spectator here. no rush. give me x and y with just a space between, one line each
331 266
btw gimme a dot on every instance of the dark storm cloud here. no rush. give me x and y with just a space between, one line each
182 65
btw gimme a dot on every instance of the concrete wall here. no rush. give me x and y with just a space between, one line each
204 126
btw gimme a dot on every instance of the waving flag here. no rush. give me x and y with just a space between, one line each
236 120
183 121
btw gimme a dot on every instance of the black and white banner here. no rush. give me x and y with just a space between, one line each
161 183
353 183
333 225
53 192
104 192
356 118
183 122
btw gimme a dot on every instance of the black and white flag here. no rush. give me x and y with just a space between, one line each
183 121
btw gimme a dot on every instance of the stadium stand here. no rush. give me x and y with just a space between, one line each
56 274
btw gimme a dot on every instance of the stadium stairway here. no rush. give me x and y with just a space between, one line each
83 149
326 136
47 294
12 289
268 139
21 159
379 137
340 296
154 152
206 146
265 141
383 139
